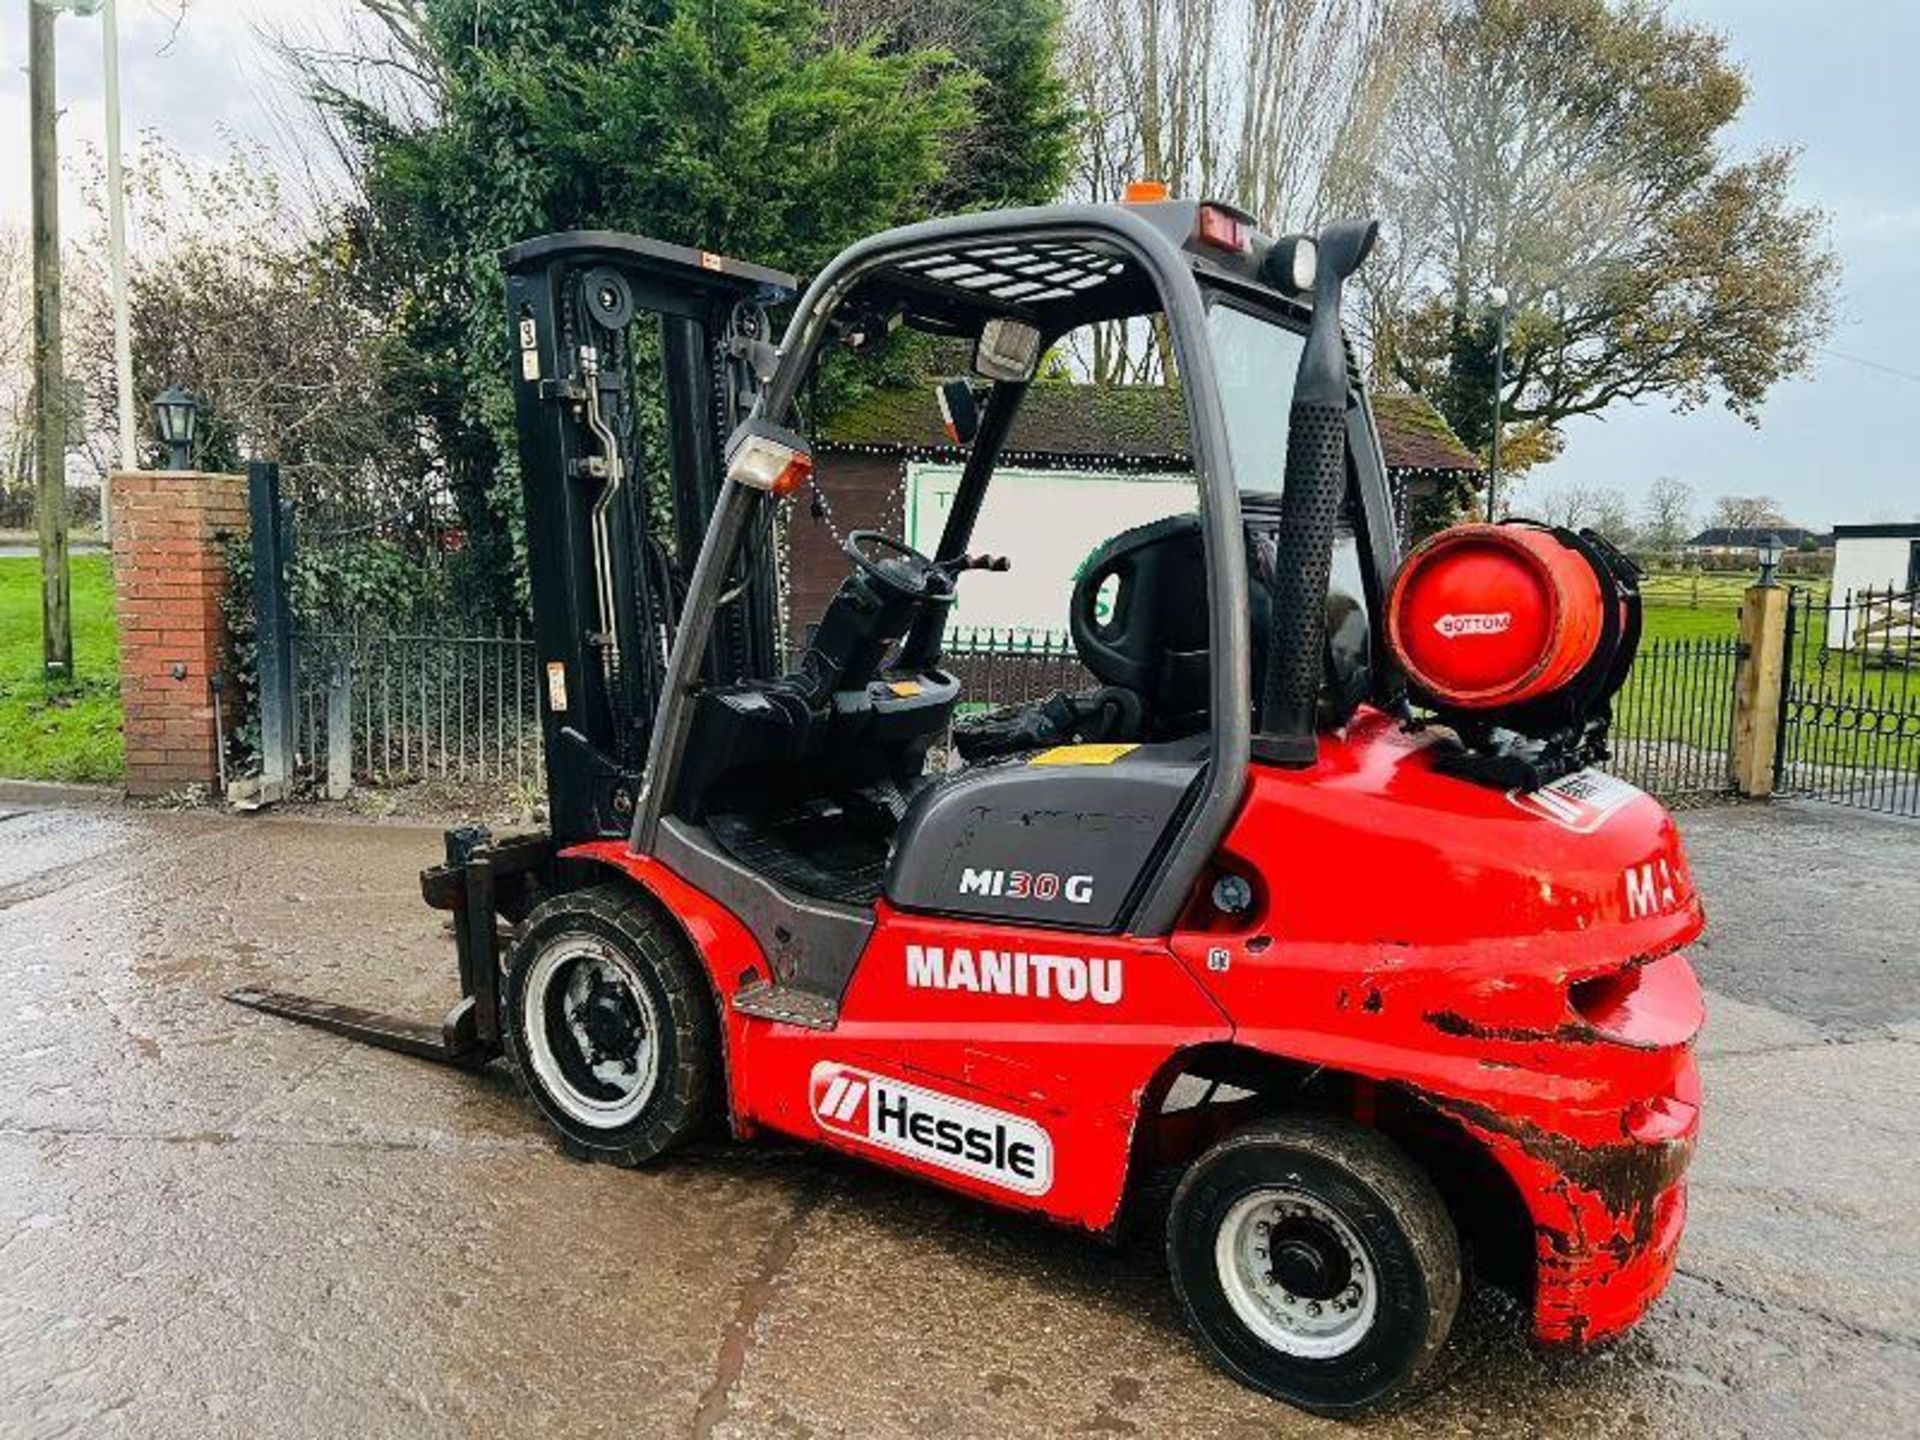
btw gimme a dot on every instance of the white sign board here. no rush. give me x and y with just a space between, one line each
1046 522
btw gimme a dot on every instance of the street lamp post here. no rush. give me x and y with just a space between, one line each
177 412
108 12
1501 302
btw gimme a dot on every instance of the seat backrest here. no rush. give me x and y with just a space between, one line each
1153 638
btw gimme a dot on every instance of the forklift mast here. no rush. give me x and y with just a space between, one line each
634 360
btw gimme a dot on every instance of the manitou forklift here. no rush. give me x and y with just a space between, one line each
1311 910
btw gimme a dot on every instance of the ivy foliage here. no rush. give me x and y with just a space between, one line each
372 584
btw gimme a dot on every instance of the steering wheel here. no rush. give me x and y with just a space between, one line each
910 575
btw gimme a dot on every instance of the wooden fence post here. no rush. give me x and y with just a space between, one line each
1756 689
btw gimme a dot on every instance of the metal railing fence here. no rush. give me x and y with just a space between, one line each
1673 719
1850 723
391 708
1012 667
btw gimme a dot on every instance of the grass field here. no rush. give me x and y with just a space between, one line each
68 731
1848 713
1683 622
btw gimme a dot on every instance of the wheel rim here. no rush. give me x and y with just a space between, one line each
1296 1273
592 1032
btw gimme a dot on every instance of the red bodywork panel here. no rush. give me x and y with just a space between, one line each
1509 961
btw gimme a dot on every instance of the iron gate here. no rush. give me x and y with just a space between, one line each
363 670
1850 693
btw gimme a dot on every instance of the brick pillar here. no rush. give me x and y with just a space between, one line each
169 574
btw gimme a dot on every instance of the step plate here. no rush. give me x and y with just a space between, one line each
788 1006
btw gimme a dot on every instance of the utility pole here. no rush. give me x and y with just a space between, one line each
117 253
49 369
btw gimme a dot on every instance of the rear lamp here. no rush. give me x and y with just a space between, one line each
1222 229
1292 264
765 456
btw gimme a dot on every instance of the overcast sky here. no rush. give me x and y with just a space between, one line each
1834 78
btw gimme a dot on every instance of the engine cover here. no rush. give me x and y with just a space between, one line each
1061 838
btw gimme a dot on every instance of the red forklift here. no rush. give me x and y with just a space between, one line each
1313 911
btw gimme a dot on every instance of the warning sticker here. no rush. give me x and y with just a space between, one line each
1580 802
1082 754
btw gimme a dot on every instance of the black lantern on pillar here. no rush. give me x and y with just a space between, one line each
177 413
1771 549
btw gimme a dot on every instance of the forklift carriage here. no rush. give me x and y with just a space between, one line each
1312 913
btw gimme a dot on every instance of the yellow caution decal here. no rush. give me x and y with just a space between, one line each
1082 754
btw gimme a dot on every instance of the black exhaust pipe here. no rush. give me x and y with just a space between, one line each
1316 479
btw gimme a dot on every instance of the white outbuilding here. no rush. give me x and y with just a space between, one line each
1876 581
1876 557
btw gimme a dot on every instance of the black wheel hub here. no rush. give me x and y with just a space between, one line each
612 1024
1309 1260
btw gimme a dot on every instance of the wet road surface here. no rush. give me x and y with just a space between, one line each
213 1222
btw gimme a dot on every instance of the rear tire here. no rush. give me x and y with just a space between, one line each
1316 1262
608 1018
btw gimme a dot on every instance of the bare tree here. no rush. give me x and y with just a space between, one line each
1666 515
1262 104
16 363
237 294
1588 507
1748 512
1612 516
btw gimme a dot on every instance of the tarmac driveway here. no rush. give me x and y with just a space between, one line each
213 1222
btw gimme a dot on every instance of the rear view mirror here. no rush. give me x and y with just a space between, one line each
1008 350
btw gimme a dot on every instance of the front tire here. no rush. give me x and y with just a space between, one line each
1316 1262
609 1021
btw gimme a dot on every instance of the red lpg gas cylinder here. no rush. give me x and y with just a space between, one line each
1483 616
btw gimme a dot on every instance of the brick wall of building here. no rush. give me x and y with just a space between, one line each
169 575
865 491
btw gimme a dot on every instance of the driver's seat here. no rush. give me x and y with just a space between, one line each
1139 619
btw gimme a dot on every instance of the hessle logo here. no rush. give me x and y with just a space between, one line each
1454 626
1073 978
1041 885
936 1129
